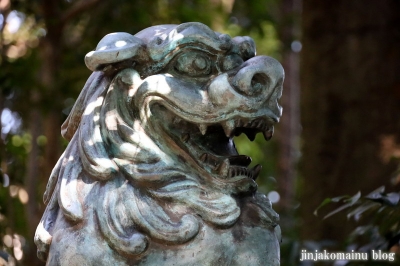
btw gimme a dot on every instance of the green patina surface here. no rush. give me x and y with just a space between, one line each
151 175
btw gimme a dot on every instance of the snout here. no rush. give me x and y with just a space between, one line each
256 85
258 76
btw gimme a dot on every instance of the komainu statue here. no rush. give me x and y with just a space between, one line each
151 175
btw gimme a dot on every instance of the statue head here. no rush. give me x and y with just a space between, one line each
151 150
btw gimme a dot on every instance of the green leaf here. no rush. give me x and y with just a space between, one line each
337 199
325 202
392 199
329 200
341 208
350 202
377 193
357 212
355 198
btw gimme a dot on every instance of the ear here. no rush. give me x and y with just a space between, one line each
94 88
114 48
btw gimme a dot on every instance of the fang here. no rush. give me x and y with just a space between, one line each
268 134
228 127
223 168
203 128
256 171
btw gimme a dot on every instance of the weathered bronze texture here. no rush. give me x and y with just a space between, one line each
151 175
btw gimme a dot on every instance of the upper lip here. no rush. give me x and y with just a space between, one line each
237 126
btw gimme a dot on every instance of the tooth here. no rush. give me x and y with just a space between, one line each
230 173
185 137
223 168
228 127
256 171
204 157
251 135
268 134
239 123
203 128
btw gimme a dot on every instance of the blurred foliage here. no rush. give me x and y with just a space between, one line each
377 216
24 27
262 153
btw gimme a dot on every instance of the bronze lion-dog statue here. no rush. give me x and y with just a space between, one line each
151 175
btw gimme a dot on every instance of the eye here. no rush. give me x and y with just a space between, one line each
193 64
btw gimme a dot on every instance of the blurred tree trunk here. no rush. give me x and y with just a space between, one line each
289 126
43 122
350 101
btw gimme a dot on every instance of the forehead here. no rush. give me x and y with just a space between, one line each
157 45
165 40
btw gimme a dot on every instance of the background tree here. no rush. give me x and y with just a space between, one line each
350 104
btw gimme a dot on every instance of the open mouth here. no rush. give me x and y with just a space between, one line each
211 144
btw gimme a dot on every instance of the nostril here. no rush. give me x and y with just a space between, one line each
249 83
258 83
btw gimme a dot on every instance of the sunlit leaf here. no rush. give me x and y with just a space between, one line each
327 201
376 193
392 199
357 212
324 203
350 202
355 198
341 208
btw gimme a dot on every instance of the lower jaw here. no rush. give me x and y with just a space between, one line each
233 179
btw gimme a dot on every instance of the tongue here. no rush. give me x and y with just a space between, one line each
241 160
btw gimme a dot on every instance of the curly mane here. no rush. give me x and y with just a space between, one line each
151 157
112 157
